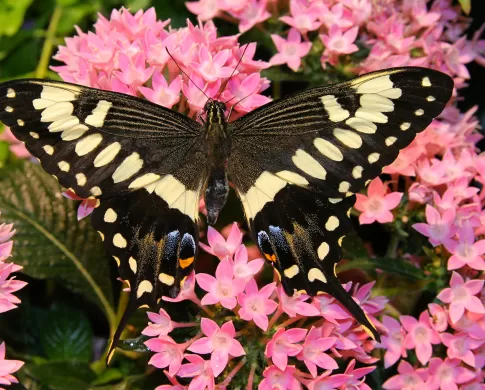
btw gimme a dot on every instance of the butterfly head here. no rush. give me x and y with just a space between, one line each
215 111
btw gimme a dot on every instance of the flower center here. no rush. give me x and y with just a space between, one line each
421 334
460 294
374 205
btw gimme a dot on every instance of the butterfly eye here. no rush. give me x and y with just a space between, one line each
208 105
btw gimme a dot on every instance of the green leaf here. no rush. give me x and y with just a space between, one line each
466 6
50 243
61 375
398 266
67 335
73 16
108 376
12 14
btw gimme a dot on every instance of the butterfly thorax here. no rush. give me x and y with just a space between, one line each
218 148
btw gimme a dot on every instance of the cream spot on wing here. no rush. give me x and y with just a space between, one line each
373 157
63 124
344 186
348 138
166 279
376 102
99 113
118 262
81 179
74 132
371 115
418 112
292 271
292 177
323 250
144 287
119 241
101 235
129 167
405 126
426 82
8 109
390 141
430 98
88 144
308 164
11 93
20 122
132 264
357 172
263 191
316 274
63 166
34 135
374 85
328 149
144 180
393 93
362 125
48 149
107 155
96 191
56 94
335 200
335 111
57 111
332 223
110 216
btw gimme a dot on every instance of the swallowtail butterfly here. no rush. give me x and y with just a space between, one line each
295 163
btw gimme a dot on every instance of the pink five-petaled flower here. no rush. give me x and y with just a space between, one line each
161 93
327 381
461 346
283 344
8 367
338 42
220 247
377 205
211 67
223 288
408 378
355 381
8 286
274 378
162 324
219 342
466 251
461 296
168 353
200 370
313 354
446 375
187 291
290 51
256 305
133 70
393 341
295 305
420 336
242 268
439 228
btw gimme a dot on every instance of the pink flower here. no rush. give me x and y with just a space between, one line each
223 288
161 326
161 93
257 305
303 18
274 378
8 367
446 375
420 336
204 9
283 344
461 296
407 379
219 342
403 164
85 208
327 381
355 381
466 251
290 51
220 247
168 353
338 42
242 268
461 346
8 285
133 70
330 308
245 89
16 147
251 14
377 205
211 67
393 341
439 228
313 352
186 292
200 370
295 304
438 318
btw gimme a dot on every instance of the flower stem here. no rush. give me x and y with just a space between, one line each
251 377
46 53
233 373
275 317
290 321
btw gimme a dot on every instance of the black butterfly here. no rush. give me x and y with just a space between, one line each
295 163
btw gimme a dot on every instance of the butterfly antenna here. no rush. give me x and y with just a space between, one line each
232 74
234 105
186 75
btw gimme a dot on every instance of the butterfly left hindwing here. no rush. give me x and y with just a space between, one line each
296 164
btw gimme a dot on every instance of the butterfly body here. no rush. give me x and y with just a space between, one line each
295 164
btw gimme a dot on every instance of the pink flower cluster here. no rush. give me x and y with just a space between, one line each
289 331
8 301
128 53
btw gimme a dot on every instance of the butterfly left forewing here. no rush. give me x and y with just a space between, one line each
303 158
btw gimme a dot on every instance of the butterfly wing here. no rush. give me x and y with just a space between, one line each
296 164
140 161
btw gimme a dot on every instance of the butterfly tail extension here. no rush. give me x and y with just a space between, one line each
153 245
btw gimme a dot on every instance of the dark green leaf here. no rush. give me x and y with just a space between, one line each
398 266
61 376
67 335
50 243
12 14
108 376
